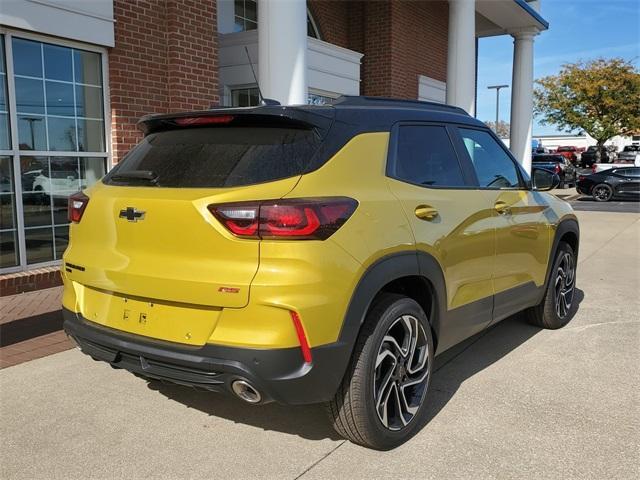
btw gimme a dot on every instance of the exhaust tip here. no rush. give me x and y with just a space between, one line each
245 391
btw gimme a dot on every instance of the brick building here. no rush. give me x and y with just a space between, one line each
76 76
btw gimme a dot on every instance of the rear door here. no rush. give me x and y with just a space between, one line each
451 221
521 218
147 244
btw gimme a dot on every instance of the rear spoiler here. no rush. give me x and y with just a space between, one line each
318 118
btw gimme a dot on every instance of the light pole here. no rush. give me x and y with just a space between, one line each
497 89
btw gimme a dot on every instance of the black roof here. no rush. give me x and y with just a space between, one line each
360 113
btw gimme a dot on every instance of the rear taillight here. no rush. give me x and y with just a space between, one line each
594 168
205 120
557 169
289 219
581 178
76 206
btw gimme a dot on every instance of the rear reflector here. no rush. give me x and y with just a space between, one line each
288 219
76 206
208 120
302 337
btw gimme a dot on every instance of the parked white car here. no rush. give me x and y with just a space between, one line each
60 184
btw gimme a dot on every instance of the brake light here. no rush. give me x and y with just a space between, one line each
76 206
557 169
288 219
302 337
207 120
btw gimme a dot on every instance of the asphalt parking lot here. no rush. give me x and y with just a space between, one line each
514 402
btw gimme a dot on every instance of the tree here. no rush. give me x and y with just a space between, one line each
504 128
601 97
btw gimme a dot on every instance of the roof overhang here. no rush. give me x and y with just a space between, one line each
501 17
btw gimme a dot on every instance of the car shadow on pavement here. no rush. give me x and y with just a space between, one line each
452 368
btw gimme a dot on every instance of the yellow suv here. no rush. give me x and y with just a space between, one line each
311 254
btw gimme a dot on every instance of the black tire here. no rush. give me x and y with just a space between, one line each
602 192
354 411
546 314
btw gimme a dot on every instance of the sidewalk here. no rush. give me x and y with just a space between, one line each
31 326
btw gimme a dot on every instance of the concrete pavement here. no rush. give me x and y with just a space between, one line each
514 402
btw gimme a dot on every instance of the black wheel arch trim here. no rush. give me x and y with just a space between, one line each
384 271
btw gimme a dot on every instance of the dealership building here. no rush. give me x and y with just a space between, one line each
75 76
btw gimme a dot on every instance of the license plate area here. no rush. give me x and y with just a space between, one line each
173 322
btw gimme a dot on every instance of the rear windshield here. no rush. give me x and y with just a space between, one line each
216 157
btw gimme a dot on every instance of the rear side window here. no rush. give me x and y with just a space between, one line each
628 172
425 156
217 157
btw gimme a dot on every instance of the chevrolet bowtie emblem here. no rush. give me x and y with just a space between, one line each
131 214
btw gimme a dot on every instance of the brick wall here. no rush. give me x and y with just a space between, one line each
419 44
165 59
399 39
332 19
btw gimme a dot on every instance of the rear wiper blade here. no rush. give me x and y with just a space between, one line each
136 175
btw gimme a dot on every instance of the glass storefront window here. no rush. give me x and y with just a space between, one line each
8 229
59 112
59 97
4 101
47 183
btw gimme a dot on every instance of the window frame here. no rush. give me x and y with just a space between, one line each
392 156
15 153
523 178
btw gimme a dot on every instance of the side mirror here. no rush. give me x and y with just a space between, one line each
544 180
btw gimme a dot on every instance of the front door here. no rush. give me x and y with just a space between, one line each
521 218
451 221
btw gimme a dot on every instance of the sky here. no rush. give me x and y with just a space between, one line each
578 30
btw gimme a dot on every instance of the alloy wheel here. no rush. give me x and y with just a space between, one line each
401 373
565 285
602 193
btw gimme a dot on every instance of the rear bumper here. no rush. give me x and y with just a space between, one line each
279 374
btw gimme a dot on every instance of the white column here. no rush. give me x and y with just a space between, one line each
461 58
282 50
522 97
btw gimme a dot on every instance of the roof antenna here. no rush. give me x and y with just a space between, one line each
263 101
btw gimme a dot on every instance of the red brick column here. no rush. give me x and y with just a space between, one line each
192 54
164 59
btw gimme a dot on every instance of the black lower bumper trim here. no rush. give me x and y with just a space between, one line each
279 374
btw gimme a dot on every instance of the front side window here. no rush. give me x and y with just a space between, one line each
494 168
425 156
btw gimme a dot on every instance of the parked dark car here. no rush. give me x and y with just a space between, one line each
559 165
590 156
623 183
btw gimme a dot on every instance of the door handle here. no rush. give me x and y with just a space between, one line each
426 212
502 208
